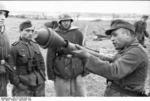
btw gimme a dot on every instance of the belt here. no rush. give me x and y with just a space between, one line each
118 88
64 55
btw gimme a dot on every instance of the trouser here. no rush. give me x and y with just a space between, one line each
71 87
3 85
31 91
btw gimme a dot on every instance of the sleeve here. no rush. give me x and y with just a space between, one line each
13 77
50 63
117 69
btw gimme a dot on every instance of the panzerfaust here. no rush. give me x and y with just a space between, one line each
48 38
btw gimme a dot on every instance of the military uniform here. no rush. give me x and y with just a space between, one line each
4 54
65 70
29 69
141 31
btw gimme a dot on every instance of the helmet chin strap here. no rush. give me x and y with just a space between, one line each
2 29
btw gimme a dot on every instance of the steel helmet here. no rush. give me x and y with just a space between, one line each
3 8
64 17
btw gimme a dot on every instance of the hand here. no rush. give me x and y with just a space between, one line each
81 52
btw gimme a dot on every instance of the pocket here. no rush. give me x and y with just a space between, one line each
22 56
77 66
29 79
63 67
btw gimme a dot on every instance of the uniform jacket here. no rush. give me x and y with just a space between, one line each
53 61
128 69
28 62
140 29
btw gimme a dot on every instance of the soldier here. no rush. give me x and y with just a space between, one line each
140 29
28 63
127 71
67 75
4 51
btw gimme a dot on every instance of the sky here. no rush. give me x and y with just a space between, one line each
138 7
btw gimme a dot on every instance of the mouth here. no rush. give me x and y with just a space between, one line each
115 44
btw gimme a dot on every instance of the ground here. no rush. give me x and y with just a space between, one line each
95 85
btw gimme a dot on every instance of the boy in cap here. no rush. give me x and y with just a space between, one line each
140 29
28 62
127 72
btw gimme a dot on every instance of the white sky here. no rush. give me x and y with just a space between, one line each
139 7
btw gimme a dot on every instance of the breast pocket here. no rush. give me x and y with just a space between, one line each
22 56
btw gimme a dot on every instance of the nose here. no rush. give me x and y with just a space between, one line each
112 38
2 17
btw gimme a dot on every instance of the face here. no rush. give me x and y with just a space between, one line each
2 17
27 33
120 38
66 24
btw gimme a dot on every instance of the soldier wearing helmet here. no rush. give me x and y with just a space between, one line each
65 70
4 51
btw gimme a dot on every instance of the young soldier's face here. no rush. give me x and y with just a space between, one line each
27 33
2 17
120 38
66 24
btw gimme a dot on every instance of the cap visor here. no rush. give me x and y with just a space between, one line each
108 32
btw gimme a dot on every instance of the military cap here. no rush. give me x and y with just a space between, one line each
25 24
116 24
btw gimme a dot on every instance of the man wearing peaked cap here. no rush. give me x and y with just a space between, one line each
127 71
116 24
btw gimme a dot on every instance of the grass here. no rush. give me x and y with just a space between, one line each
95 85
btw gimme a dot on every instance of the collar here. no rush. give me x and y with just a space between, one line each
2 29
132 43
25 41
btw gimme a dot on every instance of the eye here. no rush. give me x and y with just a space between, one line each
114 34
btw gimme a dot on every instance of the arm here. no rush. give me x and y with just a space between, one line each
14 79
118 69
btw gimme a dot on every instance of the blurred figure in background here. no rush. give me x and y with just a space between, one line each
140 30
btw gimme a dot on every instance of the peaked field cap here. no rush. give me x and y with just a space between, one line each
25 24
116 24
